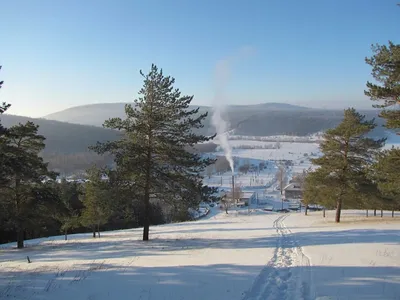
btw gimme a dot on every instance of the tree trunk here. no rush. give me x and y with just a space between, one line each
324 214
367 213
146 223
20 237
306 210
393 213
338 211
98 230
374 212
20 230
381 213
94 231
65 234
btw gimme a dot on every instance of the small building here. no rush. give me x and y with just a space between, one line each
293 191
246 198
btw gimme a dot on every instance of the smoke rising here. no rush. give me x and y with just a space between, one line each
220 124
221 127
222 74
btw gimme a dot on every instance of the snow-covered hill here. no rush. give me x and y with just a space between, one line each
236 256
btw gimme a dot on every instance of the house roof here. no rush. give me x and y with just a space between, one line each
292 187
246 195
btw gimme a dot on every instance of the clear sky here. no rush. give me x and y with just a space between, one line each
57 54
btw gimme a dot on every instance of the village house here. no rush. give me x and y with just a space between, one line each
293 191
244 198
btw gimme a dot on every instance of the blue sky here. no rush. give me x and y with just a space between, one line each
57 54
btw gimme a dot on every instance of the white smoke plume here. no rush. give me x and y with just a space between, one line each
220 124
222 74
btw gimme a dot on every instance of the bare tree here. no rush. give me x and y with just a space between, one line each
209 171
281 177
226 202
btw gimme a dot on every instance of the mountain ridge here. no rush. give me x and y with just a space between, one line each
95 114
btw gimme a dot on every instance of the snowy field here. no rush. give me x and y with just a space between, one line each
298 153
287 151
236 256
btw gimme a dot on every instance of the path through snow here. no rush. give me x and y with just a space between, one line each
287 274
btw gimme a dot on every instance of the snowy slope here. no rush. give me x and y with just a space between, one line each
357 259
234 256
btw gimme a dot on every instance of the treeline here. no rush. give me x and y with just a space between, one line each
78 208
71 163
295 123
156 175
353 171
64 138
67 164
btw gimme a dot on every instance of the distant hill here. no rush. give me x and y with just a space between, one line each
259 119
64 138
91 114
96 114
67 144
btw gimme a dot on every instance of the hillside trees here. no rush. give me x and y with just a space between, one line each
24 195
342 177
385 65
153 152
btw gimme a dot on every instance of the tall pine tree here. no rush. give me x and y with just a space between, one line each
342 177
386 173
158 128
385 65
69 212
22 184
4 164
97 208
3 105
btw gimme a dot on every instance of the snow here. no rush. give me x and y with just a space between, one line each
287 151
356 259
242 255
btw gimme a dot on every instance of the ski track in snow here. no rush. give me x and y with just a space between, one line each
287 275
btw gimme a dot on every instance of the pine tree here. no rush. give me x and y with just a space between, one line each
96 203
386 71
4 164
153 153
69 213
3 106
342 177
386 173
23 182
